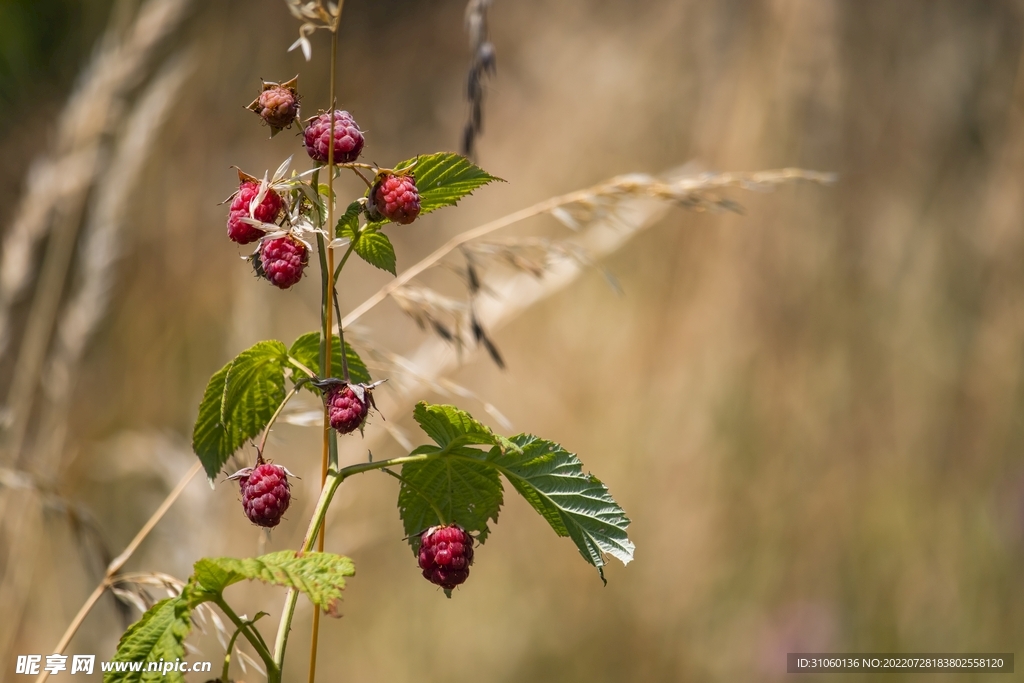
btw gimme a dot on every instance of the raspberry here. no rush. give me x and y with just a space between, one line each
265 494
348 140
283 260
277 105
347 409
396 198
445 555
266 212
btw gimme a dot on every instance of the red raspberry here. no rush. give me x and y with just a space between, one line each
348 140
396 198
347 410
265 494
445 555
266 212
277 105
283 260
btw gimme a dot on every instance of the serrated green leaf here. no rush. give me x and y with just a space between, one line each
443 179
575 504
375 248
306 350
348 224
238 403
448 426
158 635
462 485
320 576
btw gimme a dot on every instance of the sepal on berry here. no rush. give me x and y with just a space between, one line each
277 104
348 404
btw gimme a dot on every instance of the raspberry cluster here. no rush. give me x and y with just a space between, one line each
266 494
446 552
396 198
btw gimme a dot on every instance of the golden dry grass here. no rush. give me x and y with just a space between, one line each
810 411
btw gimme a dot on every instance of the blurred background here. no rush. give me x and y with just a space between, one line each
810 411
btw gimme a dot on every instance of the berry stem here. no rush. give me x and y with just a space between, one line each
344 259
227 656
341 339
273 418
273 671
300 366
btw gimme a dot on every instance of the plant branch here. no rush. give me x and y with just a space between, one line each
227 656
273 671
273 418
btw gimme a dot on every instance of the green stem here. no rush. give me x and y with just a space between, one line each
348 252
227 656
344 352
273 418
273 670
334 479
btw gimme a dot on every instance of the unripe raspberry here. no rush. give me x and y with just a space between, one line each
265 494
265 212
446 552
283 260
348 140
396 198
346 409
277 105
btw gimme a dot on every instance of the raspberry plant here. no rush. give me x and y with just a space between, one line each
450 490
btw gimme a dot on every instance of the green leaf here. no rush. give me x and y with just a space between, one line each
348 224
575 504
306 350
375 248
238 403
448 426
443 179
158 635
460 483
462 486
321 576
